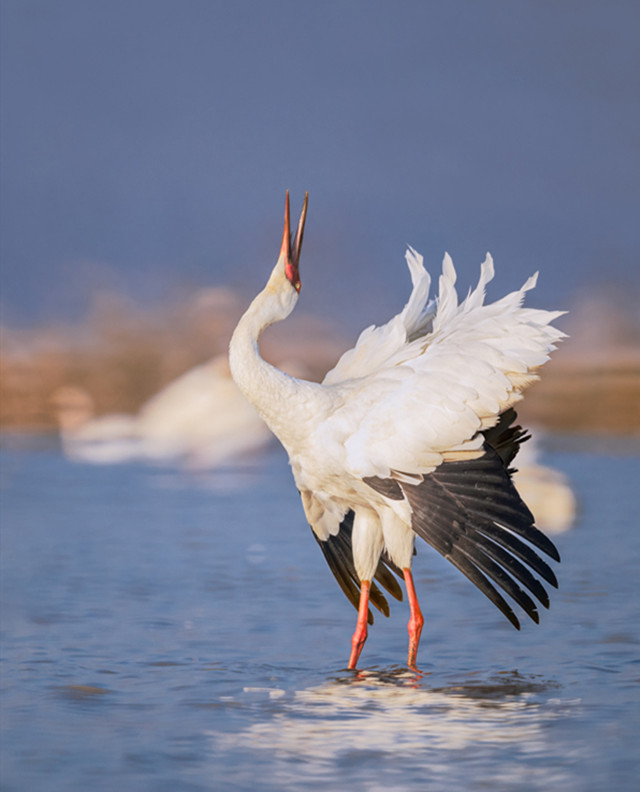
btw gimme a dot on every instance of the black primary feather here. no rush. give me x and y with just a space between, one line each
471 513
506 439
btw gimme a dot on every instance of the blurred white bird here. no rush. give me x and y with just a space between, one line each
200 418
410 435
545 490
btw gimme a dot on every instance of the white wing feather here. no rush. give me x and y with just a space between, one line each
377 345
418 389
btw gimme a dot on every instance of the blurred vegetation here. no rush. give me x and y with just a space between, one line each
122 354
592 382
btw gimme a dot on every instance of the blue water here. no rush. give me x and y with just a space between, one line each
167 630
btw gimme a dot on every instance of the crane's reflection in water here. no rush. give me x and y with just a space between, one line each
371 722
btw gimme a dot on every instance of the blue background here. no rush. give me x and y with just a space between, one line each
147 145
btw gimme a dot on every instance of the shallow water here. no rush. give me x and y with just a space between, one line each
166 630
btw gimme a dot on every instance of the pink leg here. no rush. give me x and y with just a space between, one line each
416 620
360 635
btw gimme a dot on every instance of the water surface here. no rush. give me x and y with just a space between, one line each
171 630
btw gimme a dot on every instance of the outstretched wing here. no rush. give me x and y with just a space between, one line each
419 390
376 346
471 513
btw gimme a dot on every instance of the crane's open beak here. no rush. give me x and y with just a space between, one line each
291 257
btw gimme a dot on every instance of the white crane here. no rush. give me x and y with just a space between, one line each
200 418
410 434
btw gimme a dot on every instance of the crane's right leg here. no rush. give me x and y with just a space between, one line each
415 622
360 634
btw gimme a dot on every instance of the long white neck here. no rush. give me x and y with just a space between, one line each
274 394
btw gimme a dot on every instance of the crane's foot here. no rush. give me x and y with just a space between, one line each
416 619
360 634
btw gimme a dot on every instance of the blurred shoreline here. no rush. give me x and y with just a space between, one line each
121 355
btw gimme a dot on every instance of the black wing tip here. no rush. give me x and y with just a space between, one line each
471 513
377 599
555 555
384 574
504 608
540 540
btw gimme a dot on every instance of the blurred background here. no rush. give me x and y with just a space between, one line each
146 148
171 626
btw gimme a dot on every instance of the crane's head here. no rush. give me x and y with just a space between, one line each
289 258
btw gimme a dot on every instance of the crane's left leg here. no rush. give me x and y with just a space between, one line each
415 621
360 634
